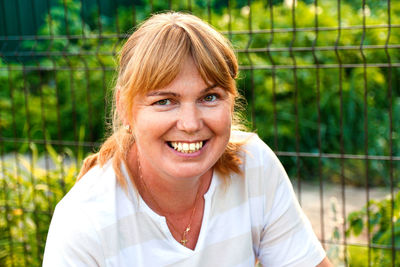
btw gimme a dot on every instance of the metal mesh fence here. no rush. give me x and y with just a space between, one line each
321 82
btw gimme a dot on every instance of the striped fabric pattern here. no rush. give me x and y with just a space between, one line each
256 216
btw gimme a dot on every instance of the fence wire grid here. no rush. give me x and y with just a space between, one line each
321 79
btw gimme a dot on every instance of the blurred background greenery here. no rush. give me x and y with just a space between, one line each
322 90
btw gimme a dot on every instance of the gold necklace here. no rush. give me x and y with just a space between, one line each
185 233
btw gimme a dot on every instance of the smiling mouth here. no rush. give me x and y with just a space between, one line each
187 148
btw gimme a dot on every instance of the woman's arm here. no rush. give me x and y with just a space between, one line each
325 263
286 236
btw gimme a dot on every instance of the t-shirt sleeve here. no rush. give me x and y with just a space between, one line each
287 238
71 240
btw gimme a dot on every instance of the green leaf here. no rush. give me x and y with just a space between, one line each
357 226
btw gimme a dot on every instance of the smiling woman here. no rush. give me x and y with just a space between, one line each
167 124
176 183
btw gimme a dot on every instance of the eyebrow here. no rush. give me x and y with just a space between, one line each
164 93
209 88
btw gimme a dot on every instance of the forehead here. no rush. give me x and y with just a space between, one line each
188 79
171 91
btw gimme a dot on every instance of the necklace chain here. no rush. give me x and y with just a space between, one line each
184 235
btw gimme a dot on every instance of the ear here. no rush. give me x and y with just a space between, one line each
120 108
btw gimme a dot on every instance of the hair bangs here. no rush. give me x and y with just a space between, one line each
159 61
215 61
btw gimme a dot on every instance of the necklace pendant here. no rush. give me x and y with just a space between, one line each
184 241
187 230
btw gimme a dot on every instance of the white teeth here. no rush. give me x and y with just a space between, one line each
192 146
187 147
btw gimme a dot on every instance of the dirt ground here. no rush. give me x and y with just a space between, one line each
354 198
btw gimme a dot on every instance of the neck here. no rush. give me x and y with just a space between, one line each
171 195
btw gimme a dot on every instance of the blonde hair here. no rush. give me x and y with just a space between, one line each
151 59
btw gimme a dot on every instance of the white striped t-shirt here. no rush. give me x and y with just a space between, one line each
257 216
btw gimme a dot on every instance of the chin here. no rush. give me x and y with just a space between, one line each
189 172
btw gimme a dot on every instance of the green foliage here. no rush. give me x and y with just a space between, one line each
78 74
61 94
288 97
73 87
358 256
28 197
382 226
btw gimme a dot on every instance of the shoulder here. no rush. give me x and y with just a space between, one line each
75 229
91 187
90 193
94 198
256 153
252 144
264 176
72 239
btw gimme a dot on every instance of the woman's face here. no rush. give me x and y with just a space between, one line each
181 130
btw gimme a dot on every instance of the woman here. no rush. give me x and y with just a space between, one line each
175 184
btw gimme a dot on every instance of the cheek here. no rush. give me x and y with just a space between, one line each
142 126
148 126
221 120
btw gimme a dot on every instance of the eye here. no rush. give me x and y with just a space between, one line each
162 102
210 98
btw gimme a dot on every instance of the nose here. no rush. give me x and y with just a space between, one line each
189 119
